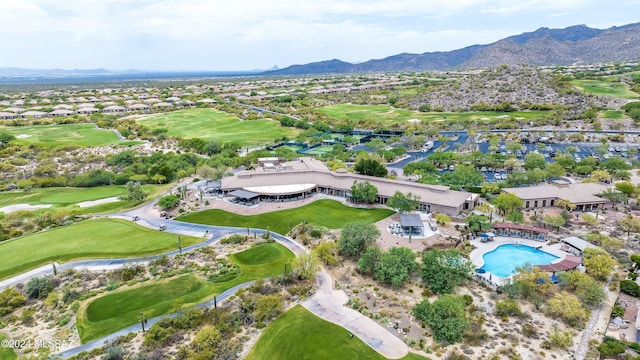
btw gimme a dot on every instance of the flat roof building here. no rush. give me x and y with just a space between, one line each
583 195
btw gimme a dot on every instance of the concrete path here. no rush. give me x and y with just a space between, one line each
329 305
598 322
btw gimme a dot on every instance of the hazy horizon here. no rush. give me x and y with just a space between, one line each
245 35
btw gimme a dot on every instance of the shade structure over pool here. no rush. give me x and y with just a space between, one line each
569 262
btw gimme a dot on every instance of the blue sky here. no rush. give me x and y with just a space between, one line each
257 34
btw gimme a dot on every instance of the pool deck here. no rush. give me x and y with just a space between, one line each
485 247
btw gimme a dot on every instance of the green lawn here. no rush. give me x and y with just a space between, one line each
104 315
101 238
613 114
6 353
383 114
71 134
299 334
211 124
605 88
323 213
320 150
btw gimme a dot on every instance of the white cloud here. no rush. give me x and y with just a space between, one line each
223 34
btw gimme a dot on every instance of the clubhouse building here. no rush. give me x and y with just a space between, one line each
584 195
280 181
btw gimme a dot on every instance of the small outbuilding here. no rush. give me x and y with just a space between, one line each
412 224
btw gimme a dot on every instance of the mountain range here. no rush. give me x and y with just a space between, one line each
574 44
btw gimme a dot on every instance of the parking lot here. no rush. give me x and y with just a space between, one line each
549 150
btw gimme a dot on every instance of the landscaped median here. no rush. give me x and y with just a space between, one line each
299 334
89 239
116 310
322 213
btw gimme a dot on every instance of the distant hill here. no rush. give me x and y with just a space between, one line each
574 44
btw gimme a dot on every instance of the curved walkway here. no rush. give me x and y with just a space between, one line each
329 305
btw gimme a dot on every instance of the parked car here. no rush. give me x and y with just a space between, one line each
503 176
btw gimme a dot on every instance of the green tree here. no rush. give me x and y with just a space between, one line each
629 224
589 291
268 307
370 260
598 262
370 167
589 219
462 177
396 266
134 193
514 146
478 223
486 208
403 203
305 266
554 170
168 202
627 188
508 202
534 161
444 270
327 252
357 236
554 220
445 317
363 192
567 307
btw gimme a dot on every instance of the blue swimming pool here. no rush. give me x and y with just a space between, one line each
506 258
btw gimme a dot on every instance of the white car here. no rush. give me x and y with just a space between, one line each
503 176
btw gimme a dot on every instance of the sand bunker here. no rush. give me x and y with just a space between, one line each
85 204
22 136
18 207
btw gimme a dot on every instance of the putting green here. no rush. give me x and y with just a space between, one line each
101 238
259 255
211 124
104 315
324 213
84 135
119 309
299 334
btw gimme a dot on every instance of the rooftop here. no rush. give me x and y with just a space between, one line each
576 193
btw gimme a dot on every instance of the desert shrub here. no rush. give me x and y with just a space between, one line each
38 287
630 287
611 346
507 307
225 271
234 239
